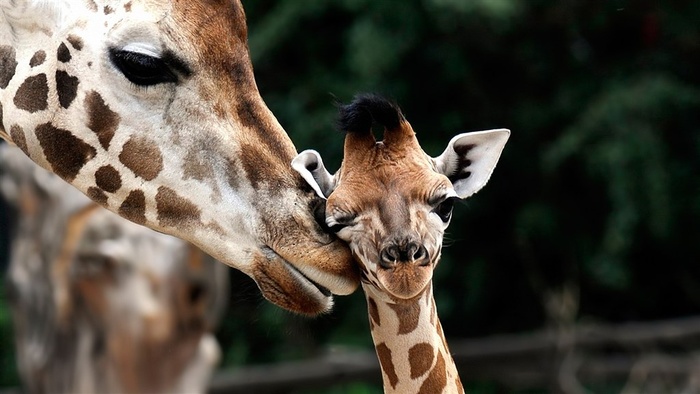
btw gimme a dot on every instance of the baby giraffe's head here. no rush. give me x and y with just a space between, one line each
390 200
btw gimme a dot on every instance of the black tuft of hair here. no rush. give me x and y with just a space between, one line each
367 109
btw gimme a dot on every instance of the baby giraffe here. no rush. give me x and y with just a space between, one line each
392 203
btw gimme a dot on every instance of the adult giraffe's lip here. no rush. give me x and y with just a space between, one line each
299 274
322 289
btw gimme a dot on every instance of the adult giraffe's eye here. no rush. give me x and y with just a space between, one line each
141 69
444 209
337 227
338 223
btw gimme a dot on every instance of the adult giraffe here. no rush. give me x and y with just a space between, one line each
150 108
392 203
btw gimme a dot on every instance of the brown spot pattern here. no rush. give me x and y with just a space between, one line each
102 120
38 58
107 178
33 94
67 87
66 153
384 355
127 7
75 41
142 156
63 54
253 116
108 10
420 357
18 137
97 195
91 5
8 65
258 167
407 315
174 210
437 379
196 166
134 207
373 311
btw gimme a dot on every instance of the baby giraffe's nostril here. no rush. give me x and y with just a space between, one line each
420 253
389 256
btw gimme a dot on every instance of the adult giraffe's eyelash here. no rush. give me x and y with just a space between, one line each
142 69
338 223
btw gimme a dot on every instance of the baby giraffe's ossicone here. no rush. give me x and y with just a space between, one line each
392 203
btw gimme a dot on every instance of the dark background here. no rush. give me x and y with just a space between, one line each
593 212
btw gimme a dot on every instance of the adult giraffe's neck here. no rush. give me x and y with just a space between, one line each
410 344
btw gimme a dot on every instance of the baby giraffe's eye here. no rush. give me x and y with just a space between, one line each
444 209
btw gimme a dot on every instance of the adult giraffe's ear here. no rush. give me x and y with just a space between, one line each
470 158
310 165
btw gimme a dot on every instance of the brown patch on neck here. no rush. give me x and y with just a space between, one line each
373 311
102 120
38 58
18 137
66 87
420 357
174 210
92 6
264 169
437 379
32 96
387 364
108 179
142 156
97 195
75 41
407 315
63 54
134 207
66 153
8 65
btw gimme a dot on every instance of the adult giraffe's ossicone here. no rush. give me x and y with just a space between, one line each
151 109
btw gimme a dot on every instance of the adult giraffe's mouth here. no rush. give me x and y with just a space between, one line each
322 289
296 287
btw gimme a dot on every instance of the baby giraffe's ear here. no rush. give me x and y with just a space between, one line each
310 165
470 158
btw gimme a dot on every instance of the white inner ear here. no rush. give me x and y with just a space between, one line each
470 158
310 165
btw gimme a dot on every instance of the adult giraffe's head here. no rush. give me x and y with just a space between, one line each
390 200
150 108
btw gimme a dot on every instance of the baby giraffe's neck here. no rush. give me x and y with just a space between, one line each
410 344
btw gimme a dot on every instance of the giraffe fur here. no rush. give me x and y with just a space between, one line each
392 203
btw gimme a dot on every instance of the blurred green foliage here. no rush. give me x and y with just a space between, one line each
597 193
596 198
